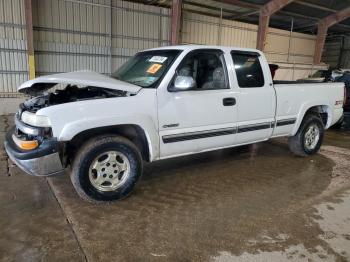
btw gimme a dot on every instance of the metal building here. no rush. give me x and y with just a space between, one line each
100 35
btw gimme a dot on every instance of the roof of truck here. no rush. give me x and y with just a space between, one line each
194 47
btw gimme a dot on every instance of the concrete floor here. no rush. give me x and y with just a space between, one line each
254 203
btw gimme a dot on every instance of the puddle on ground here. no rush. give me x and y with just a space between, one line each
239 201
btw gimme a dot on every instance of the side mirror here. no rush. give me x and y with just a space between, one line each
184 83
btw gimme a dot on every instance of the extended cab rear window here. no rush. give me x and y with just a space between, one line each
248 69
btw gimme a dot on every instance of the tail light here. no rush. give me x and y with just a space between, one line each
339 102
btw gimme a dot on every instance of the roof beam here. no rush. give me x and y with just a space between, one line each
243 14
308 25
337 17
320 7
240 4
323 26
273 6
176 8
265 13
211 8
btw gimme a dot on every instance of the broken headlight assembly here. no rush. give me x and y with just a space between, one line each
35 120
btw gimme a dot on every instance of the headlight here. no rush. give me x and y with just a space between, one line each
35 120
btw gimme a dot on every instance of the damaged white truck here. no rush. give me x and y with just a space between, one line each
162 103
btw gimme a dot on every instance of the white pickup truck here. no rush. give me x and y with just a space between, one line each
162 103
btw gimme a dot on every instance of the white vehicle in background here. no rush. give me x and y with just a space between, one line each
162 103
321 76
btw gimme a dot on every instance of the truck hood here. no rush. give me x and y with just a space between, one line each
85 78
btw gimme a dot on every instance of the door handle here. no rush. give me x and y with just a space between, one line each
229 101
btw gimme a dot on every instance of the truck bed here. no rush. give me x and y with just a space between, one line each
293 98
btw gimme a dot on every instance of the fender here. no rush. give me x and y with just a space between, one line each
72 129
306 106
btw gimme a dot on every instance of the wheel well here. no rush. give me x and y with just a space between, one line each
132 132
320 110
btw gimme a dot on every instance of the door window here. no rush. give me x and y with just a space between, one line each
207 68
248 69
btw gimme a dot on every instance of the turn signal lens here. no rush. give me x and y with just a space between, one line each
25 145
29 145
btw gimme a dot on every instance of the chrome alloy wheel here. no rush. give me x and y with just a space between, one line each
311 137
109 171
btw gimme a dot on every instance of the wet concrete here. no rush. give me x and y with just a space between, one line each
33 226
256 202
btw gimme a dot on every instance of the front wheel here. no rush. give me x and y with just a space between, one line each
106 168
307 141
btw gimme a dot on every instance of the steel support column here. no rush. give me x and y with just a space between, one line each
265 13
30 41
321 39
175 21
262 31
323 26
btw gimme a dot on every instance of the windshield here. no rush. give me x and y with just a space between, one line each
146 69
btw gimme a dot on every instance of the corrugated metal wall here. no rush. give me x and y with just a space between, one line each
13 57
294 51
337 52
345 54
332 52
69 35
98 35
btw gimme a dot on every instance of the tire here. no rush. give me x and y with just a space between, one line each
106 168
300 144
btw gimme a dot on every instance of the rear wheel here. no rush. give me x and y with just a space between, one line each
307 141
106 168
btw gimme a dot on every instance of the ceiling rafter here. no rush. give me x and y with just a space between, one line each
322 30
240 3
252 10
320 7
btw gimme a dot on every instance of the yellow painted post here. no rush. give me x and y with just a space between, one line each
31 63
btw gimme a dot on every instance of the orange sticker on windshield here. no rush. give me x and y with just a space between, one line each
154 68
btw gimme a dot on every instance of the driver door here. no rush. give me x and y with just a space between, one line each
204 117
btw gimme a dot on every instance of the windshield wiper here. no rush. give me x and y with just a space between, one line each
137 82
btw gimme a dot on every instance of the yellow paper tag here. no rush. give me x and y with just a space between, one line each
154 68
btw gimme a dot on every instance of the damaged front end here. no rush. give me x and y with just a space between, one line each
30 143
33 149
70 93
72 87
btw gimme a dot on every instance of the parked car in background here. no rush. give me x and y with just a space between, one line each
321 76
163 103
